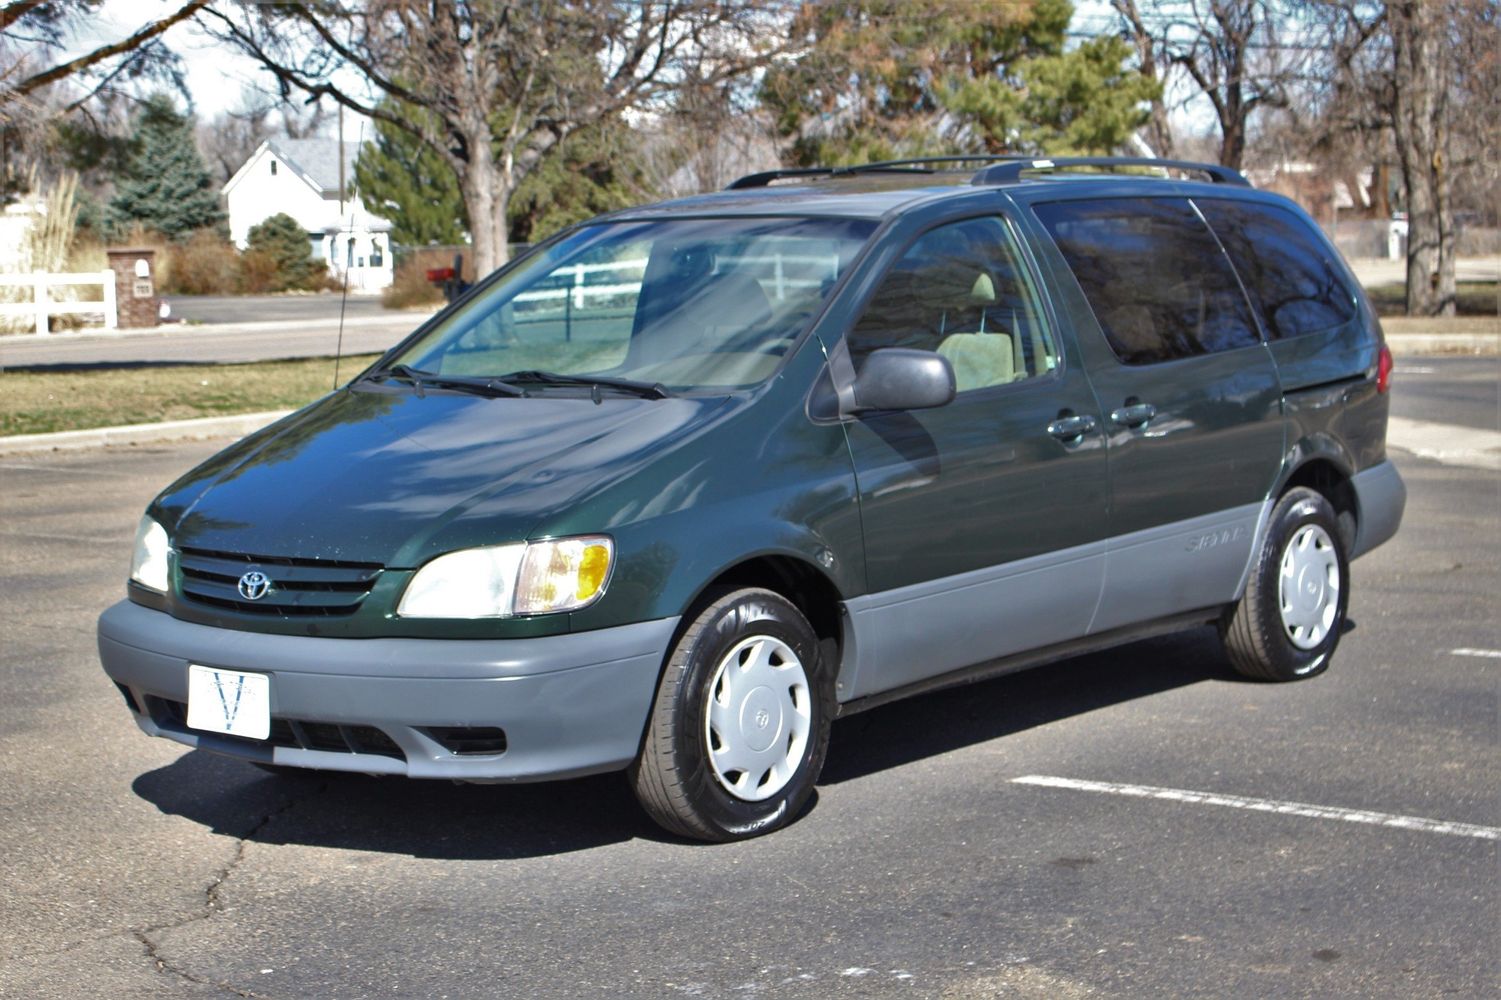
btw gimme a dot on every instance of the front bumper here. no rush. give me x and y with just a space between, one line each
568 704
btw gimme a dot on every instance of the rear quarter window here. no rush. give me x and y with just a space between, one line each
1294 284
1157 281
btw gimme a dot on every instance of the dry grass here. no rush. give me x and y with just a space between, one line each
39 402
1473 298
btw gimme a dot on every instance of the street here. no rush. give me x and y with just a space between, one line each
234 328
1176 830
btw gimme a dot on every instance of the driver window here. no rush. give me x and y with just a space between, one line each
961 290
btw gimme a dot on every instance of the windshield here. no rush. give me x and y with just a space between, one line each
683 304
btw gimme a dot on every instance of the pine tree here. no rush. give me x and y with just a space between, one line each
401 178
165 185
895 78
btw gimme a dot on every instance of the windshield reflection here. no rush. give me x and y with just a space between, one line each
685 304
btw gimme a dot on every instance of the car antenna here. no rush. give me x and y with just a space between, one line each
348 249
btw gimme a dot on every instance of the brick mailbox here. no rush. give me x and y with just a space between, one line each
135 286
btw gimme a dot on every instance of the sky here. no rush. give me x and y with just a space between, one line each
218 78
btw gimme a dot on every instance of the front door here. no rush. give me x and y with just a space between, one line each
984 520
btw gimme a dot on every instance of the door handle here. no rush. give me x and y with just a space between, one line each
1134 415
1067 428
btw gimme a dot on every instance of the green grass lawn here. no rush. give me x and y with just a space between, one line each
42 402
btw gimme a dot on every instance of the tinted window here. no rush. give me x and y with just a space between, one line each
1154 276
1293 283
961 290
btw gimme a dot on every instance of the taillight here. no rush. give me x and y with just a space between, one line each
1384 369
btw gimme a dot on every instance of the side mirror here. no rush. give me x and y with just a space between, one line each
899 378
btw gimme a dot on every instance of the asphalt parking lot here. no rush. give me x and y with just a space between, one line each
1134 823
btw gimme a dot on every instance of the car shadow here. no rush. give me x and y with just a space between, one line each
424 819
926 726
446 821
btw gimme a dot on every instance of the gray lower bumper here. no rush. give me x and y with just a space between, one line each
569 704
1380 496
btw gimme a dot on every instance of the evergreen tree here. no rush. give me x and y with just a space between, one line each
403 180
165 185
278 251
400 178
894 78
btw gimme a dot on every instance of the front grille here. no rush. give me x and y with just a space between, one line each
294 733
299 587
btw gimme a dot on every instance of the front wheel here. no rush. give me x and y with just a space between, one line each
741 721
1290 618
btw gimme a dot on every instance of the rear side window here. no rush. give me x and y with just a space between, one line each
1157 281
1294 285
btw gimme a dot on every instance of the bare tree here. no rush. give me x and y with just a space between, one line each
231 137
1152 61
33 33
1420 122
1234 51
1423 75
492 86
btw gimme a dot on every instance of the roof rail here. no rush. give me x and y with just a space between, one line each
1010 172
765 177
915 165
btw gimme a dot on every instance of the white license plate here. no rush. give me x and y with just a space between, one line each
229 702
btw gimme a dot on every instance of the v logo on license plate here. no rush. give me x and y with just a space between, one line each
232 702
230 711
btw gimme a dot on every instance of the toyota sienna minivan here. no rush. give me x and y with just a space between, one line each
676 489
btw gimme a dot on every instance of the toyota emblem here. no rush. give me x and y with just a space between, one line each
254 584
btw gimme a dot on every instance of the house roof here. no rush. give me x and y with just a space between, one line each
316 161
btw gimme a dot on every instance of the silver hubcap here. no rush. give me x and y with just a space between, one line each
1309 589
759 718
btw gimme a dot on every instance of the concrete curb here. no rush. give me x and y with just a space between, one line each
1402 345
1405 345
175 430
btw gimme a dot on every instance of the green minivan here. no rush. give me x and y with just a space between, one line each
681 486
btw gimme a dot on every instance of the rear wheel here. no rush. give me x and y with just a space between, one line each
741 721
1290 618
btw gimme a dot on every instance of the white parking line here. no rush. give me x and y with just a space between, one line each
1494 654
1417 823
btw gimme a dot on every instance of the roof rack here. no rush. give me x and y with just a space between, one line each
1011 171
912 165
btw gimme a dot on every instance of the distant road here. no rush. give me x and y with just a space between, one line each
264 308
225 329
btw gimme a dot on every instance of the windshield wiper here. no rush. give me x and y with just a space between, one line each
477 384
648 390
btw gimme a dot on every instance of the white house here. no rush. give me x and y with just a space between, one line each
301 178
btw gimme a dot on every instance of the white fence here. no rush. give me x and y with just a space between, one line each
773 267
42 308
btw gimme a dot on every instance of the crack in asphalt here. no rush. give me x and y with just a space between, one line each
211 901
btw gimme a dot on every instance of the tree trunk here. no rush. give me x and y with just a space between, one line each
1419 122
487 196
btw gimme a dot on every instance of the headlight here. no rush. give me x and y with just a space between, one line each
561 574
149 565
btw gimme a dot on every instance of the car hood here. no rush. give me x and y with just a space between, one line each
386 475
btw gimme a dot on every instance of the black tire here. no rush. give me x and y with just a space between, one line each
674 777
1265 641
